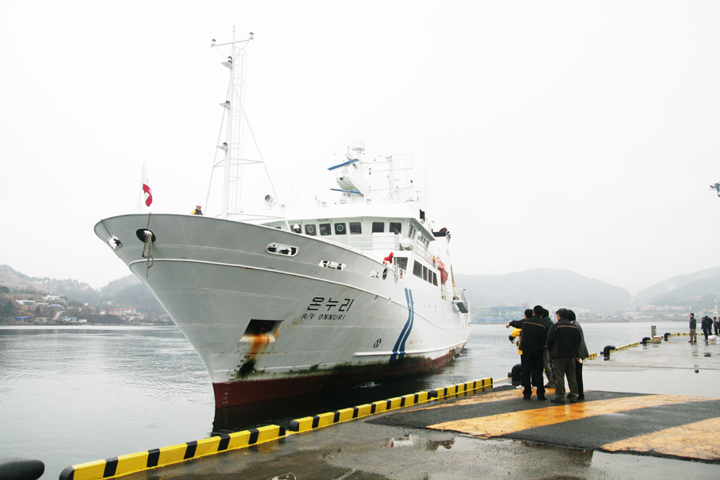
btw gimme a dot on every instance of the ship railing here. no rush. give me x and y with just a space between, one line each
377 242
385 242
400 274
361 242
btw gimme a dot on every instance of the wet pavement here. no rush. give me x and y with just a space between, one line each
649 411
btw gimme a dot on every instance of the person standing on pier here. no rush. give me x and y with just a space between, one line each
716 324
532 341
582 355
706 324
547 362
518 323
564 341
693 326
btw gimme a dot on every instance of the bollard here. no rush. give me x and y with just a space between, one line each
606 351
516 374
645 340
21 469
667 334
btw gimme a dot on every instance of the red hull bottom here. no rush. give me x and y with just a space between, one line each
243 392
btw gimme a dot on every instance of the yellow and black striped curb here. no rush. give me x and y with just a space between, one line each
657 339
161 457
338 416
625 347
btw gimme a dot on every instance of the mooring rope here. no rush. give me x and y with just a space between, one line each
147 249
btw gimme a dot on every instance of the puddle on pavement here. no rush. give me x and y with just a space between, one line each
415 441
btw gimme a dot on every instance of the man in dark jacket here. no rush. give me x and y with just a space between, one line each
693 326
546 353
532 342
706 323
564 342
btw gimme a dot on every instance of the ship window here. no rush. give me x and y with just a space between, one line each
378 227
325 229
425 272
417 269
310 229
434 278
411 233
396 227
355 228
340 229
401 262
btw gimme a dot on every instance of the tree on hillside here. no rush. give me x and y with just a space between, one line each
7 309
139 296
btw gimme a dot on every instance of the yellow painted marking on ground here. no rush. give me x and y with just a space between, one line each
505 423
697 440
499 396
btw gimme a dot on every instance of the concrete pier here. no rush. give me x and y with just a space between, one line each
650 411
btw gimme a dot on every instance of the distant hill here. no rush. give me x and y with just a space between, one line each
699 293
681 289
15 280
539 286
124 292
544 286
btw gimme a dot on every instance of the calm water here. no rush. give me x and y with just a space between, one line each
77 394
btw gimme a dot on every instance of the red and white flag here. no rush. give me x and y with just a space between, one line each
146 194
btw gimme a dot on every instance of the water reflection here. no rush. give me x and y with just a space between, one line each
415 441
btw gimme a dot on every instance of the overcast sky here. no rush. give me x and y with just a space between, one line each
571 135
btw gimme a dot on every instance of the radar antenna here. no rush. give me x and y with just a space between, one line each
716 187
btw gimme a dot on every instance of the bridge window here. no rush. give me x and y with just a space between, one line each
417 269
340 229
378 227
355 228
395 227
325 229
310 229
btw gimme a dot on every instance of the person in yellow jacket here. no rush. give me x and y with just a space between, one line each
515 334
197 211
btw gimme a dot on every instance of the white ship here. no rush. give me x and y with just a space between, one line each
301 299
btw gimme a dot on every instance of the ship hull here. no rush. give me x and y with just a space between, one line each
239 393
274 314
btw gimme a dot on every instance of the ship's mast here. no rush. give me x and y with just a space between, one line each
232 148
